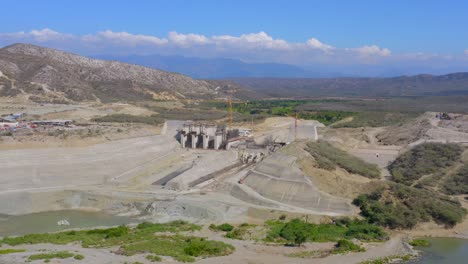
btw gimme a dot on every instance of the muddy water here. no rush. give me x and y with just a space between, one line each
47 221
445 251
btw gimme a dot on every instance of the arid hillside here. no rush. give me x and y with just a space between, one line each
48 75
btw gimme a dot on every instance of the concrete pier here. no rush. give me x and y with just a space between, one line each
194 141
183 139
217 141
206 139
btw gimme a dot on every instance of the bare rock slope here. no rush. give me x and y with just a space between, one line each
55 76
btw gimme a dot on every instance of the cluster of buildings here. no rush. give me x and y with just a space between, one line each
15 121
11 121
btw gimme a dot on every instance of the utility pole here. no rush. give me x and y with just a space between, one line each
295 127
230 113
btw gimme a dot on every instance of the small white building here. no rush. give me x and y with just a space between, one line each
5 123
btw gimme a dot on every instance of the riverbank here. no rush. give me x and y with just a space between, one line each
130 245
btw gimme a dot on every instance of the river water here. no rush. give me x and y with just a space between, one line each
47 221
445 251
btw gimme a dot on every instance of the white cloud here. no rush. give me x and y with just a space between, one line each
260 40
124 38
466 52
373 50
316 44
187 40
42 35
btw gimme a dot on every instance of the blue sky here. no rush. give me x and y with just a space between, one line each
409 30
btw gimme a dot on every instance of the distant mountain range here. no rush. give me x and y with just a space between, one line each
210 68
49 75
219 68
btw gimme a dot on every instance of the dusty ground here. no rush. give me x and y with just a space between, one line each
427 128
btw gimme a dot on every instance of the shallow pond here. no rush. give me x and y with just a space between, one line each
444 251
47 221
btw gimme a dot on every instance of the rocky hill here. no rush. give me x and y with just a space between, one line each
49 75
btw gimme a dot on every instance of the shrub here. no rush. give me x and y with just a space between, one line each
341 228
154 258
328 157
419 243
201 248
422 160
78 257
400 206
235 234
111 232
457 183
10 251
223 227
48 256
344 246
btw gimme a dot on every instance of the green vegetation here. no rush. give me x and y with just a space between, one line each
174 226
457 183
241 232
400 206
189 113
154 258
390 259
142 239
296 231
223 227
341 247
325 117
79 257
344 246
163 114
422 160
262 109
329 157
10 251
377 119
309 254
419 243
124 118
49 256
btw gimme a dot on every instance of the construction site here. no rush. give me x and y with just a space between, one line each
200 171
234 168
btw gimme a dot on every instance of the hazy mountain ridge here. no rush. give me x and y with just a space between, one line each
52 75
215 68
